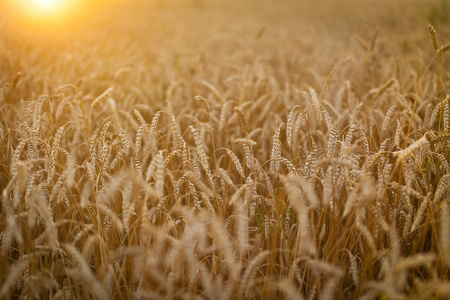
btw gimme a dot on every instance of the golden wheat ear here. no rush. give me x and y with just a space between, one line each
433 37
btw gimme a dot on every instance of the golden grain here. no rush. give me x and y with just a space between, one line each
188 185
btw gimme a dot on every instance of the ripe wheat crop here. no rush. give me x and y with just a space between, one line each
227 149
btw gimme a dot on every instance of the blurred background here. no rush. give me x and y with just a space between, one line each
98 43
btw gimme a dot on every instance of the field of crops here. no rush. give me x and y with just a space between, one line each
208 149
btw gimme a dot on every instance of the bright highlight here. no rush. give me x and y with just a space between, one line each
47 4
43 13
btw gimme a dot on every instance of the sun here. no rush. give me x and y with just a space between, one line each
46 4
48 14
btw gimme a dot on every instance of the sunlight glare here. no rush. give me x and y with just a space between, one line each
46 4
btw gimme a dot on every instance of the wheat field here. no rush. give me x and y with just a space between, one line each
207 149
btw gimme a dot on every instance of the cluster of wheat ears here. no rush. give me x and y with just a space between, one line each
249 187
